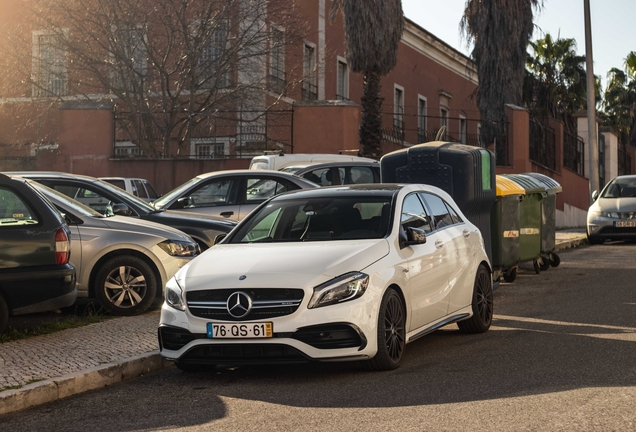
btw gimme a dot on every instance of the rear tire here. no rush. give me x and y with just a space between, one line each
4 314
125 285
482 304
391 335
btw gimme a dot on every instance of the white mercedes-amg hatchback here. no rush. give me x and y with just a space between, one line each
330 274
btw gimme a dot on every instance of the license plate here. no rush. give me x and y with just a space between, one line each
240 330
625 224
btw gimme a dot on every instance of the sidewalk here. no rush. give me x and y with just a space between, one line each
51 367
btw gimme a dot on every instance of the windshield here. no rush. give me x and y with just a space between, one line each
176 192
620 187
318 219
59 199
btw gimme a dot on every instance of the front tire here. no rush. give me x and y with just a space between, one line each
391 334
482 304
125 285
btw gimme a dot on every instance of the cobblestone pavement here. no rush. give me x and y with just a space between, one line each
74 350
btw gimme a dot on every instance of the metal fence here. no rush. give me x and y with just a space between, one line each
574 153
219 135
542 145
401 130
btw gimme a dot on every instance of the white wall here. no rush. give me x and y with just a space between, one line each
571 217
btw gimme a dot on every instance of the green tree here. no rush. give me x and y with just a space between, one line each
373 30
619 105
500 31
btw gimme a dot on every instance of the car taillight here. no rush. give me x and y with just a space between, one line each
62 247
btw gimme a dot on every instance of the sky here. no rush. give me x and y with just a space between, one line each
613 29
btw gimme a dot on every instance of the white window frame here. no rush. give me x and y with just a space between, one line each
196 143
310 73
422 117
342 82
398 105
463 132
39 87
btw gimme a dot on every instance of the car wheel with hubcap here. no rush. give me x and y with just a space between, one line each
482 304
125 285
391 333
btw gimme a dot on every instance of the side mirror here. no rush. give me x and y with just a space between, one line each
121 209
219 238
414 236
594 195
181 203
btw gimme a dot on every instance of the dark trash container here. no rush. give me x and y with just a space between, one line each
530 219
465 172
504 224
548 219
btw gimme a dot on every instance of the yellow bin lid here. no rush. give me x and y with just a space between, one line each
505 187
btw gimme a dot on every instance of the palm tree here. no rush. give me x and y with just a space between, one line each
555 82
373 30
500 31
619 105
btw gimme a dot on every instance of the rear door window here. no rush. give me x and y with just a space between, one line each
357 175
441 215
258 189
152 194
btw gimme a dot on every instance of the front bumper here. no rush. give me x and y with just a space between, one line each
332 333
605 228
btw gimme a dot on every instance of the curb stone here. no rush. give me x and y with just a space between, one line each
53 389
569 244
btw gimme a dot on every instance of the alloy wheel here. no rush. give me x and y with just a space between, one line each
484 297
125 286
394 328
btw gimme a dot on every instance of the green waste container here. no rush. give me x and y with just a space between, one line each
530 219
548 219
504 228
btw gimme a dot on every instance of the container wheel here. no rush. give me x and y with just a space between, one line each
554 260
537 267
545 263
510 275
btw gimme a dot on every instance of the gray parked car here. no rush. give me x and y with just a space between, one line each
613 214
229 194
123 262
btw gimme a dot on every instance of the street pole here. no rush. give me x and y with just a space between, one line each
592 135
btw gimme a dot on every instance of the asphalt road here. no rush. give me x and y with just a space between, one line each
560 356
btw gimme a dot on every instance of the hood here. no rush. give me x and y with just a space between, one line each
139 226
620 205
280 265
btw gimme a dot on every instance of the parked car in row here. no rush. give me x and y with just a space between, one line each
35 248
229 194
277 162
338 173
337 273
612 216
139 187
108 199
121 261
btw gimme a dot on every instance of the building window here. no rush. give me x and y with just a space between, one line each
398 112
443 117
463 129
129 58
277 78
213 67
342 91
310 89
421 120
127 149
50 73
209 148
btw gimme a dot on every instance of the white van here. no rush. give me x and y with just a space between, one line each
278 162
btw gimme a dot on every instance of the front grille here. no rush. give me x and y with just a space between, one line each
617 230
237 354
266 303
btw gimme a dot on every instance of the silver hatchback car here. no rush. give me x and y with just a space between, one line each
613 214
123 262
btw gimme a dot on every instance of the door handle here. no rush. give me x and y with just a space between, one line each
466 233
439 244
227 213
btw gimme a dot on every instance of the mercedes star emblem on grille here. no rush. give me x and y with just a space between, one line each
239 304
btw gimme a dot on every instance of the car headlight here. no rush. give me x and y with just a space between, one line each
343 288
596 213
180 248
174 295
